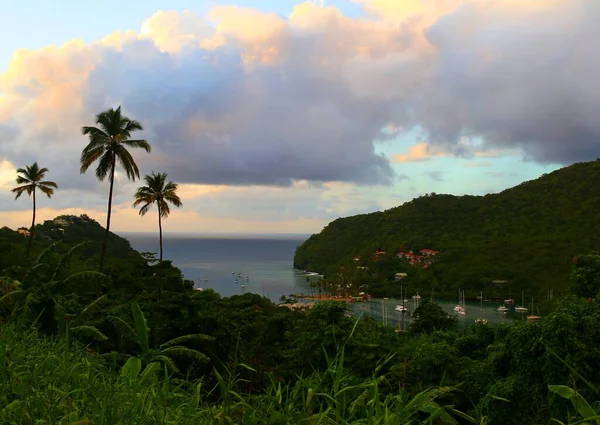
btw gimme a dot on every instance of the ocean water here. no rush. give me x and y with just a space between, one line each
210 260
214 261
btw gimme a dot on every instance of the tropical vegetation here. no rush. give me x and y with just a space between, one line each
190 356
161 192
29 179
135 343
521 239
108 145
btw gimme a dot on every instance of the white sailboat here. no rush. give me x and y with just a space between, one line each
459 306
533 316
522 308
463 310
481 319
400 307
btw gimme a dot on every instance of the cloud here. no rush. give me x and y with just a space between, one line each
422 152
437 176
241 97
418 153
478 164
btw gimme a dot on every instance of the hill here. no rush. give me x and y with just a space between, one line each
526 235
73 229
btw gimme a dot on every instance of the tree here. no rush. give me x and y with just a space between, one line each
585 276
160 192
31 178
108 144
429 317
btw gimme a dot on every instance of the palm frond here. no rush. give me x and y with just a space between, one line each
41 172
89 156
48 191
19 190
85 276
187 338
144 208
32 270
127 162
9 295
46 253
104 165
124 329
167 361
184 352
164 209
91 308
173 199
89 331
141 326
23 180
141 144
65 258
49 184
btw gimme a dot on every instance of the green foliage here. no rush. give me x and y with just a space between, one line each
586 275
197 357
41 381
526 235
429 317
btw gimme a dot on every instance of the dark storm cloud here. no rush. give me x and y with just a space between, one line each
212 122
526 80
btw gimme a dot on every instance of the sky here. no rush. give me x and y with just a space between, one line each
279 116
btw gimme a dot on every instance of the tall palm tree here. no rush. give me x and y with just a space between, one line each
160 192
108 144
31 178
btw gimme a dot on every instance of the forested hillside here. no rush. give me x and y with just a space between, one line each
527 234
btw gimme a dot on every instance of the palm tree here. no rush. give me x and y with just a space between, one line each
108 144
160 192
30 179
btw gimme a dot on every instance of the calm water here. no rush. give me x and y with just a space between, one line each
211 260
380 308
268 262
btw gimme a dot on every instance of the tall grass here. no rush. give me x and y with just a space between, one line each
43 381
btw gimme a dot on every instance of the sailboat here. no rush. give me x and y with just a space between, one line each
522 308
463 310
510 300
532 316
459 306
481 319
400 307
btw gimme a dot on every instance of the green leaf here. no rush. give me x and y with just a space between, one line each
150 373
141 326
169 363
89 331
580 404
180 351
131 369
187 338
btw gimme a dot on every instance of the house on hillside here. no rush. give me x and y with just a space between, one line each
429 252
356 258
24 232
400 276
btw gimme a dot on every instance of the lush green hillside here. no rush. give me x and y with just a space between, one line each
527 235
125 267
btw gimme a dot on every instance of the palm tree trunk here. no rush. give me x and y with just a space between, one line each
161 252
110 193
32 225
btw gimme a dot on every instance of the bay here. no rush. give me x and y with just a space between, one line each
214 261
210 260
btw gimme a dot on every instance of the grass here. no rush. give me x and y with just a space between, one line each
43 381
